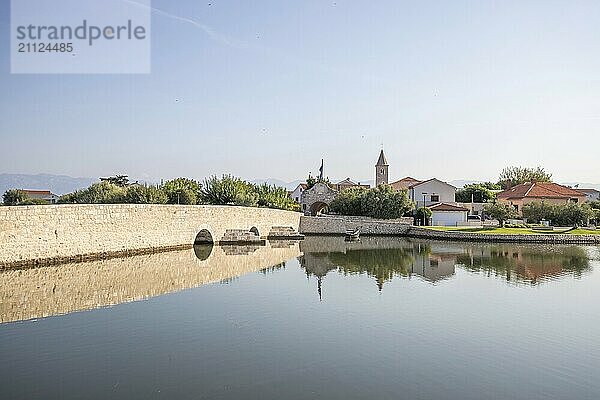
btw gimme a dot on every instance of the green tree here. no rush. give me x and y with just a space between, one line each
272 196
423 214
119 180
491 186
98 193
381 202
182 191
559 214
512 176
596 216
311 180
476 191
500 211
349 202
14 197
141 194
228 190
537 211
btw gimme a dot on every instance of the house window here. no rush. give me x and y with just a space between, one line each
516 206
575 200
435 197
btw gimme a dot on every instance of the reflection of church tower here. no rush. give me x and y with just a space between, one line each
381 170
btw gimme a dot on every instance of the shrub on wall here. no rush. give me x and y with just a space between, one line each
228 190
98 193
14 197
140 194
272 196
182 191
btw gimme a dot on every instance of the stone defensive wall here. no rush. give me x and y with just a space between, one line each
59 289
33 235
337 225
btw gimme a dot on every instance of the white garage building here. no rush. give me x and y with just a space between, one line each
444 214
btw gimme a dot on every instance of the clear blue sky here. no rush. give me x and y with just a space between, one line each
454 89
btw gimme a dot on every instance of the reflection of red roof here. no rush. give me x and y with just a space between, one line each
446 207
540 190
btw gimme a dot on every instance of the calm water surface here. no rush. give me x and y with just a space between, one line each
322 319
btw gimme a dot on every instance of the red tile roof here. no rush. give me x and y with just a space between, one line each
540 190
46 192
446 207
404 183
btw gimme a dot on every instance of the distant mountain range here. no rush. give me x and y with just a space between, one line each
57 184
61 184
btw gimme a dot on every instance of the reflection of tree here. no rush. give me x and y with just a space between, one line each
527 263
381 264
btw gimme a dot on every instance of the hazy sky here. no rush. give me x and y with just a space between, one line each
453 89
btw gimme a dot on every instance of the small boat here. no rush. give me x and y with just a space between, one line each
352 234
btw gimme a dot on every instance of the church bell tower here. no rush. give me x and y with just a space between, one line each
381 170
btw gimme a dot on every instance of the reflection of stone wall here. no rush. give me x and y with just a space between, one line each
337 244
339 224
66 232
52 290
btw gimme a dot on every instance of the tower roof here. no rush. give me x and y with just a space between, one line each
382 160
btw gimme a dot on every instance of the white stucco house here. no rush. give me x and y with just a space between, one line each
444 214
433 191
590 194
296 194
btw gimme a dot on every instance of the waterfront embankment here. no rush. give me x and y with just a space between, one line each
339 224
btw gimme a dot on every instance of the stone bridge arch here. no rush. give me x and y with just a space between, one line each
317 198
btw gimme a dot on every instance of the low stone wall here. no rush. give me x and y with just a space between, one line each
423 233
59 233
339 224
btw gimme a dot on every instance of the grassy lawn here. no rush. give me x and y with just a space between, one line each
511 231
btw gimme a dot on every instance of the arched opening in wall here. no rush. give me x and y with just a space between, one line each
255 231
318 208
204 237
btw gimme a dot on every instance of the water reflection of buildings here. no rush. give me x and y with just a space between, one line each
378 257
527 263
385 258
41 292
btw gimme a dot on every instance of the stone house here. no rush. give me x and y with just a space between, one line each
349 184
